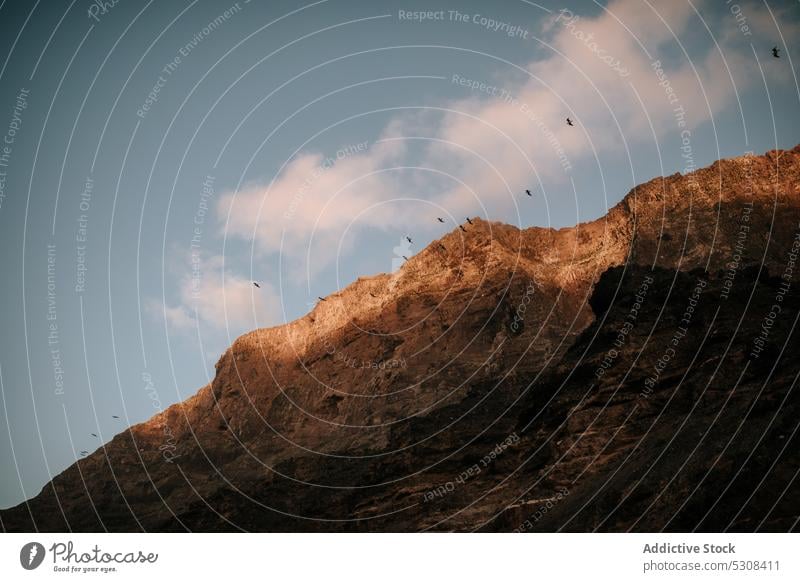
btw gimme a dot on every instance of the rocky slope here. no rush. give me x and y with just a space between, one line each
633 372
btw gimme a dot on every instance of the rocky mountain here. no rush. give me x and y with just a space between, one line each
636 372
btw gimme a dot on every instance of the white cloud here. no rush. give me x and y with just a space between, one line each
491 146
215 299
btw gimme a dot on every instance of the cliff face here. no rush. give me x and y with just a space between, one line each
615 375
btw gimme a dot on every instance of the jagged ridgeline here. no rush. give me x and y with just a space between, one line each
636 372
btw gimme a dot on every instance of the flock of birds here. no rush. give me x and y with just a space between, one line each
775 54
440 245
411 242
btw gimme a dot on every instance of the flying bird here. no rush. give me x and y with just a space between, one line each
411 242
528 192
114 416
321 299
462 228
257 285
468 220
440 219
569 122
94 435
405 257
775 52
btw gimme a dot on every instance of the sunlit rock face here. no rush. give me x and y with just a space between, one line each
630 373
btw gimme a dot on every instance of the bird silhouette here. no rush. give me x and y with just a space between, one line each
114 416
775 51
569 121
405 257
468 220
321 299
528 192
411 242
257 285
94 435
462 228
440 219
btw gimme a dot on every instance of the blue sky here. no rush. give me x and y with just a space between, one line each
296 145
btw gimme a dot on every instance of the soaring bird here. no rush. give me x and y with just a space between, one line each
405 257
94 435
114 416
462 228
528 192
321 299
257 285
775 51
468 220
440 219
569 121
411 242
